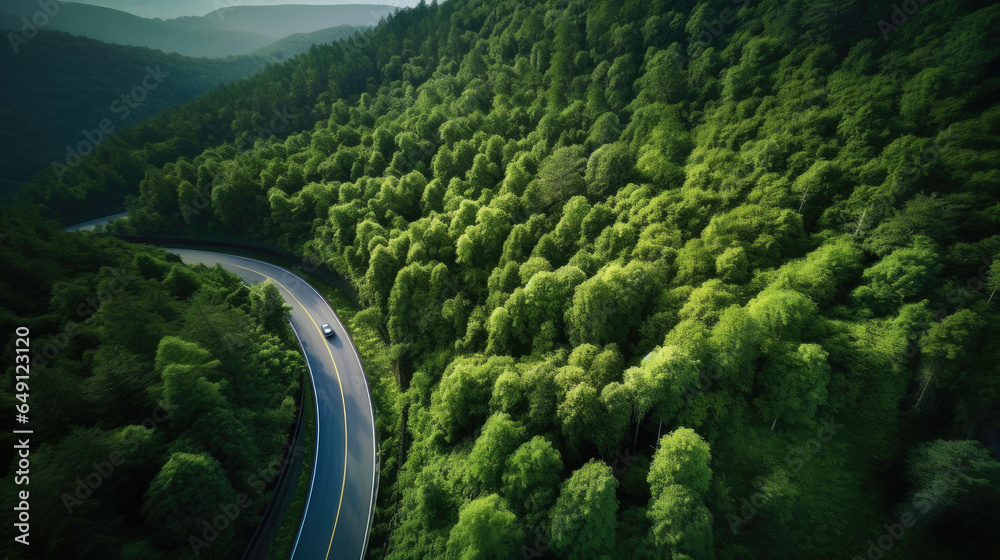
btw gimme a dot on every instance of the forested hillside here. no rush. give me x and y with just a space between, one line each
157 394
62 87
664 279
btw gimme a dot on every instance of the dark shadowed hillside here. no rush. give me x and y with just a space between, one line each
63 85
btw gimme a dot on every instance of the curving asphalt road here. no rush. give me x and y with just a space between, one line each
341 501
342 492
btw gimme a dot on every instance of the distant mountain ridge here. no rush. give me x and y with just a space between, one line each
298 43
284 20
167 9
225 32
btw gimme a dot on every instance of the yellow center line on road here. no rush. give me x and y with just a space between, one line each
343 483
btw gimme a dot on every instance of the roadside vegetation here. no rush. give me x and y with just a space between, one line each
161 396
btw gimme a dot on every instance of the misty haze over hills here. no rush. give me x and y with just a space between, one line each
165 9
225 32
67 81
281 21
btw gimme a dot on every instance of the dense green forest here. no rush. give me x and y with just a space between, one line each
160 395
663 279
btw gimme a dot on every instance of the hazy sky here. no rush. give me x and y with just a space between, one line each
175 8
